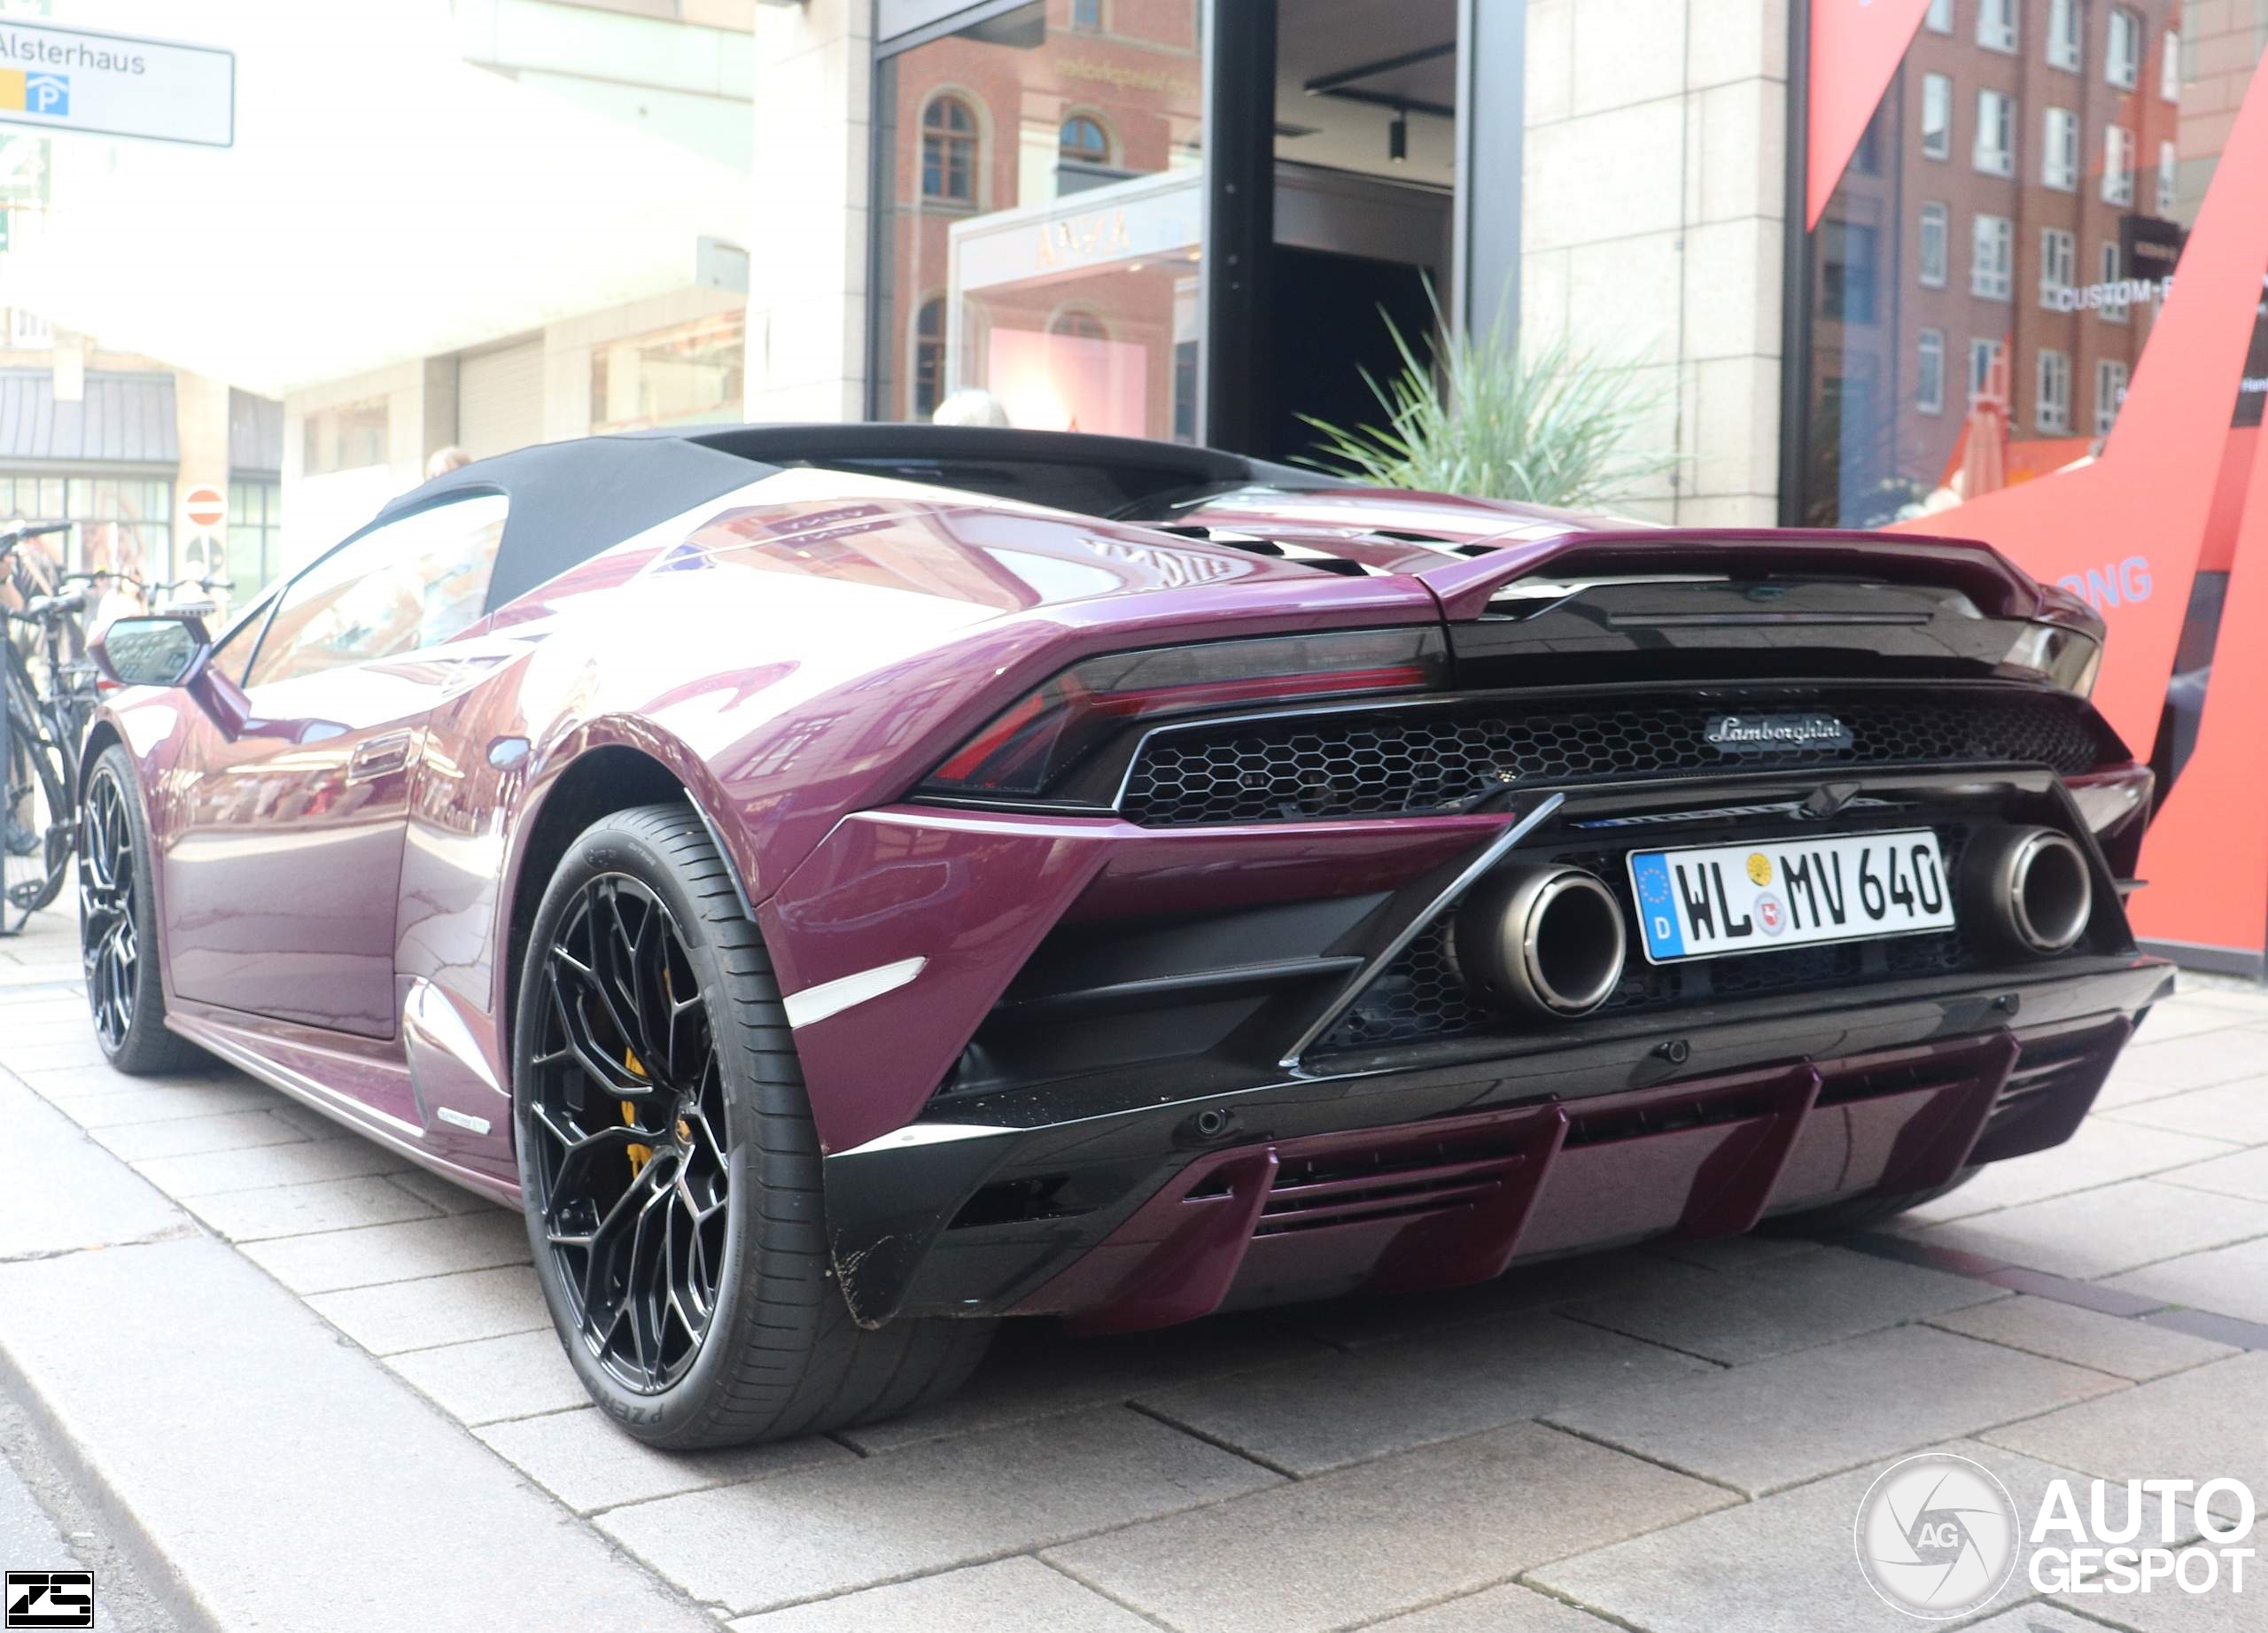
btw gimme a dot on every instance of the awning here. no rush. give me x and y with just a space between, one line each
124 419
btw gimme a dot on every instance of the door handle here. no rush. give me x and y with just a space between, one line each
379 756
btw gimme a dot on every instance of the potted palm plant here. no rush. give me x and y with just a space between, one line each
1548 425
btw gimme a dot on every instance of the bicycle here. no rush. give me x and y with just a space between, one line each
37 746
43 727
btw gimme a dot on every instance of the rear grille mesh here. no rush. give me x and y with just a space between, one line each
1420 996
1389 762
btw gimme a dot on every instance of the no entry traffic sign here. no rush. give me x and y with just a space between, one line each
207 507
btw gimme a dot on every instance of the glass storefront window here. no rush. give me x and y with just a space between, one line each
255 535
1978 304
1041 177
688 374
347 437
125 523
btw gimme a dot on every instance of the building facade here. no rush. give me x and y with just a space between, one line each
1147 215
1997 246
351 444
1209 223
551 246
677 73
116 442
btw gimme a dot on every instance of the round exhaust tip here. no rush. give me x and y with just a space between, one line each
1548 940
2038 890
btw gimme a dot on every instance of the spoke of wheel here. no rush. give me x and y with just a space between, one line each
580 1152
639 991
647 1277
600 1253
591 976
569 1139
612 1076
680 1012
698 1280
712 1147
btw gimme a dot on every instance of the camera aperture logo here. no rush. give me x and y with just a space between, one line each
1937 1535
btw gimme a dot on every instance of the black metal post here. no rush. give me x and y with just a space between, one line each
1796 298
1240 233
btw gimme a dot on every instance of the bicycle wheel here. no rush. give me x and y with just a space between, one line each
37 809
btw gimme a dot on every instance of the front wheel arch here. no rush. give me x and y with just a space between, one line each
100 736
599 783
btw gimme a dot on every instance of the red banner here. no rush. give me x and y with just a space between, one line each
1855 47
2174 490
2207 854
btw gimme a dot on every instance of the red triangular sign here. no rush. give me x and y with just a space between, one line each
1855 47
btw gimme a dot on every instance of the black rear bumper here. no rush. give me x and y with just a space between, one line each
1695 1123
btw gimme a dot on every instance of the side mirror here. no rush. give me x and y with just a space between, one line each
153 651
163 650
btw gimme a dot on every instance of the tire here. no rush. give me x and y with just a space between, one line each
118 925
619 1161
1859 1213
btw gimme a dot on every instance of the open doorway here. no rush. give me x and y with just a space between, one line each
1366 125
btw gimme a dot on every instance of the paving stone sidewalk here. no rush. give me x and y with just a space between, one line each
1660 1439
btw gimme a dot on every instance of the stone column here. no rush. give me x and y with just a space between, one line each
1652 224
807 238
201 428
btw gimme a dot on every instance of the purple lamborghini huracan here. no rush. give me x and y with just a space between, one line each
850 884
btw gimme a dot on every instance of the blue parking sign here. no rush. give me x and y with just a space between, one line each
49 93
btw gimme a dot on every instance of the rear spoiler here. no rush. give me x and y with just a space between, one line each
1997 585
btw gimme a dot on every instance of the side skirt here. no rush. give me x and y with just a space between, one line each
289 1057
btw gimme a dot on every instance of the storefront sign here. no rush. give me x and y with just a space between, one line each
1120 76
67 78
2114 296
1151 216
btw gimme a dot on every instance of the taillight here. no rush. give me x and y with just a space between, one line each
1029 745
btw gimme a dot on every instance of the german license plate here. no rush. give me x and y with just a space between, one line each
1713 901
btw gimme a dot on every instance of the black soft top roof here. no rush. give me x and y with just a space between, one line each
570 501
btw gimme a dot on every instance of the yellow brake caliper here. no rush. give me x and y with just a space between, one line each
640 1156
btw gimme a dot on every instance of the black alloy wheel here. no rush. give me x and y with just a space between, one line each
628 1107
110 942
118 925
669 1165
